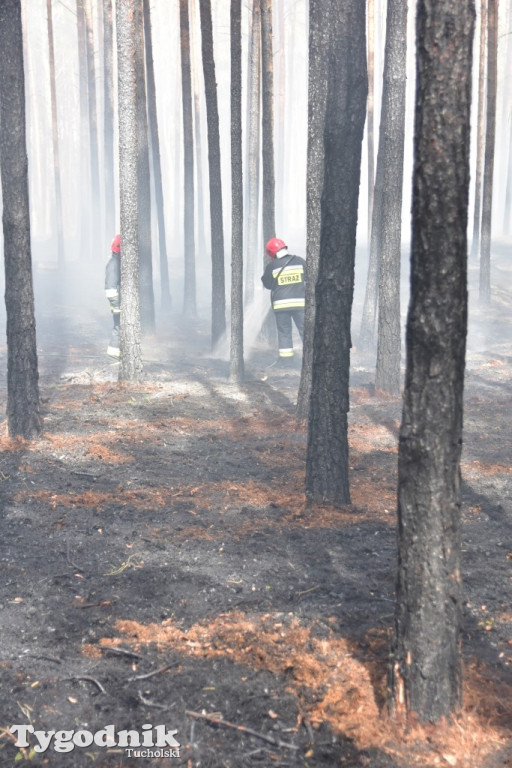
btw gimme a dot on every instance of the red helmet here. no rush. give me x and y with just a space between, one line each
273 246
116 244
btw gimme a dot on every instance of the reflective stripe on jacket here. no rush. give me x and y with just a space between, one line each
285 278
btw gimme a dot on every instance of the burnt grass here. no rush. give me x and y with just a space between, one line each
159 565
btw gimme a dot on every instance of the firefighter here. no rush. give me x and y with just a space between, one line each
284 277
113 293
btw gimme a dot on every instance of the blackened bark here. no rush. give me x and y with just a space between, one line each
389 224
425 670
490 139
189 299
327 448
147 298
23 416
237 196
157 167
319 14
131 359
216 216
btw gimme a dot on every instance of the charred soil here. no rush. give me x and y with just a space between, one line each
159 565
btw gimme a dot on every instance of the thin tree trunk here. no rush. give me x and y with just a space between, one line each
425 669
370 111
96 216
131 358
195 60
157 167
253 151
55 141
267 67
216 216
237 197
23 416
189 301
85 209
490 137
108 121
147 297
327 447
391 156
319 15
480 134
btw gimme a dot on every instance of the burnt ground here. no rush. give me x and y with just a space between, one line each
159 564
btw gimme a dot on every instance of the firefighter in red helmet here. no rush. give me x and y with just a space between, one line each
113 293
284 278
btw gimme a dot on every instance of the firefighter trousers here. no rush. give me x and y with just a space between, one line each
284 319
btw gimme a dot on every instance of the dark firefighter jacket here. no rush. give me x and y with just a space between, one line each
113 282
284 277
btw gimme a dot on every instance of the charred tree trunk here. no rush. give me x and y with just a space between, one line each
189 300
157 167
370 110
327 447
216 216
490 137
55 141
237 198
319 24
389 224
425 670
131 359
23 417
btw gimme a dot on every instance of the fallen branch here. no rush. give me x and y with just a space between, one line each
149 703
241 729
153 673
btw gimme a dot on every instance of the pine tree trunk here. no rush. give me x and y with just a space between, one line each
327 447
237 197
370 133
490 137
391 156
23 417
147 297
108 121
253 152
480 134
195 67
96 215
319 14
157 167
216 216
131 358
189 300
85 211
55 141
425 670
267 107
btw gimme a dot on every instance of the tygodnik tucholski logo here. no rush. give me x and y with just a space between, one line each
149 741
